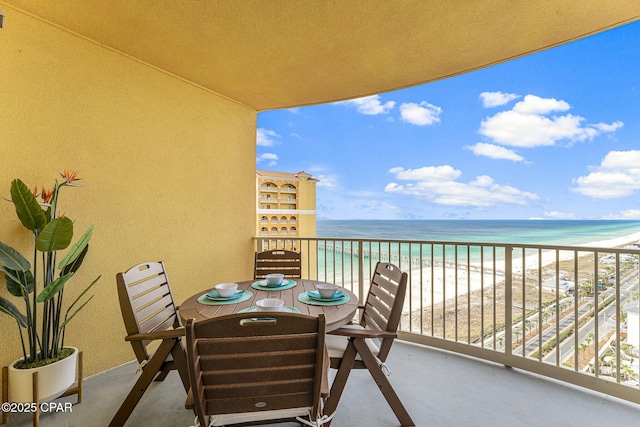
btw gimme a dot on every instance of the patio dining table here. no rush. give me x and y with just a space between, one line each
293 293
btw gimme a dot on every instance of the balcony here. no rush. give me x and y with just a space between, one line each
268 188
448 368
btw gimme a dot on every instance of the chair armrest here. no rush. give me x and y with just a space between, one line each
363 333
160 335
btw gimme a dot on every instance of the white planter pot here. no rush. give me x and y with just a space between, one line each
53 380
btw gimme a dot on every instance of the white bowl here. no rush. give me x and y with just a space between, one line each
326 290
270 304
226 289
274 279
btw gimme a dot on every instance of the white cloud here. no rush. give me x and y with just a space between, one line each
265 137
626 214
527 124
328 181
496 99
439 185
430 173
617 176
560 215
532 104
270 158
495 152
422 114
369 105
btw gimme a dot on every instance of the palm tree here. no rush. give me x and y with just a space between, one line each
517 333
583 348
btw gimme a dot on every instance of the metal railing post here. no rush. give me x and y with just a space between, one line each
360 271
508 301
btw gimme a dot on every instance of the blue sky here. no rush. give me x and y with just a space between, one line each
553 135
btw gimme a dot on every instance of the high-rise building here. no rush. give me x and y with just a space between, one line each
286 206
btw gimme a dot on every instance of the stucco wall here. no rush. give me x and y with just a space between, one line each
169 170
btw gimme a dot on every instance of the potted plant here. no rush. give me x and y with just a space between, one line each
40 287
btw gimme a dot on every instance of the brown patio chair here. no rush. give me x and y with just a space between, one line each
367 344
278 261
245 369
149 315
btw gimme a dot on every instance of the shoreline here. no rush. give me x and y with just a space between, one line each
444 286
548 257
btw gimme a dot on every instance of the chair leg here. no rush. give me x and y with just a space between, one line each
340 380
162 374
180 362
383 383
136 393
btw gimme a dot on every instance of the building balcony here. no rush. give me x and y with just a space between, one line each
268 189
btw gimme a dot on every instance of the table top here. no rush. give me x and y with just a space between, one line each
335 315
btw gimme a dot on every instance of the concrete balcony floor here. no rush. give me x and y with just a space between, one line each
438 388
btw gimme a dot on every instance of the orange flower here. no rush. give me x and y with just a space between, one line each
69 176
35 191
46 195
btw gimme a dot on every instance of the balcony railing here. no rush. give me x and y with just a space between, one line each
569 313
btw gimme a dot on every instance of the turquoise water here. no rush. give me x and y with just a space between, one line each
550 232
340 260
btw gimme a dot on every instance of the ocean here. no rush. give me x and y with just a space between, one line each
333 262
536 232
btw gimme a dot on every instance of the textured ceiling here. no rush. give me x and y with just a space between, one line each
270 54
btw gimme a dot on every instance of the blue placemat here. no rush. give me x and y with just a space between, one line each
205 300
305 298
260 285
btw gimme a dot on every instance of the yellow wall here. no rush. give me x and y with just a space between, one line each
307 201
169 170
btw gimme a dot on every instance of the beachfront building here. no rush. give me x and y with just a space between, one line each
286 206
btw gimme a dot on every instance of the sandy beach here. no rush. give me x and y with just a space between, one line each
433 287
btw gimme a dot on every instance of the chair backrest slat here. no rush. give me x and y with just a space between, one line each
278 261
146 302
240 364
383 307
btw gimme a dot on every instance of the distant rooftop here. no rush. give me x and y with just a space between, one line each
285 175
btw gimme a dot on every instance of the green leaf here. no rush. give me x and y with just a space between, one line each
68 319
8 307
78 250
56 235
84 292
28 210
75 265
17 287
12 259
53 288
